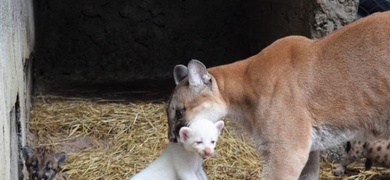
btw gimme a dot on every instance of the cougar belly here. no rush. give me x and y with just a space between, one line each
326 136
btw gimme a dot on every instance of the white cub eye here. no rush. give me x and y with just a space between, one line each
212 142
198 142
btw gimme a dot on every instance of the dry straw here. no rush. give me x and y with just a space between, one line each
123 138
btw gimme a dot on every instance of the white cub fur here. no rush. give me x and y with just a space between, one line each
183 160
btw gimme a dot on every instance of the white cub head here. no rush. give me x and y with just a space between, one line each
201 136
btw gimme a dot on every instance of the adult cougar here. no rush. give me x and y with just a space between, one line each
297 96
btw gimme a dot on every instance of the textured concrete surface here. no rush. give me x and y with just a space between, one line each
16 43
103 40
330 15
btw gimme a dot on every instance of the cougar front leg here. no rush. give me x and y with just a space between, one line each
283 162
284 144
285 166
312 167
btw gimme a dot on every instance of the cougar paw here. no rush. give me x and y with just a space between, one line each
338 171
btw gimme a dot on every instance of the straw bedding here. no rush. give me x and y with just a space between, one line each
106 140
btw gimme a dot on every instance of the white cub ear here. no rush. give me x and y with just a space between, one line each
179 73
219 125
184 133
197 73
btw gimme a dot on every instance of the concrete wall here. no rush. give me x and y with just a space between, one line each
16 46
330 15
106 41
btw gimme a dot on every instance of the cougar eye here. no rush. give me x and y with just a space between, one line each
34 167
47 169
179 113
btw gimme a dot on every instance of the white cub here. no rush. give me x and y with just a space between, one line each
183 160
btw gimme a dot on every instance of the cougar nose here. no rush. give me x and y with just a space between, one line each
40 175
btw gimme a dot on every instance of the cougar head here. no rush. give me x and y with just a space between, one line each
196 96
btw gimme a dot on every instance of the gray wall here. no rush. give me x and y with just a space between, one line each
122 40
16 45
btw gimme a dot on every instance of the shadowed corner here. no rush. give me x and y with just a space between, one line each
176 130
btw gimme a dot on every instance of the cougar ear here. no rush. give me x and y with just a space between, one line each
179 73
60 158
197 74
27 152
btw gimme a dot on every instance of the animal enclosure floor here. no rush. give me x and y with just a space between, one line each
114 138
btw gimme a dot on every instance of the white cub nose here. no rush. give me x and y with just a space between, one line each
207 152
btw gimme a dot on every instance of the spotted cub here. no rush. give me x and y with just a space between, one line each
43 163
377 152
